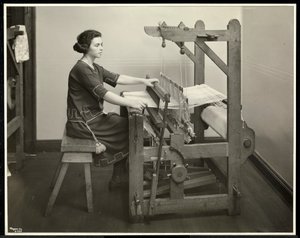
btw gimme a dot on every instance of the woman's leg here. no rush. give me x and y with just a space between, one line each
119 175
112 131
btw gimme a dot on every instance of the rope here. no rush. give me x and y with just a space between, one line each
99 146
180 68
185 72
162 65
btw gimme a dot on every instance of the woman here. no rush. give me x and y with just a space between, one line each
86 94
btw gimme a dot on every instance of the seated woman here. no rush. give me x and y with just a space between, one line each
86 94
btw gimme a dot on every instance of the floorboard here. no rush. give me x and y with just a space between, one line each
263 210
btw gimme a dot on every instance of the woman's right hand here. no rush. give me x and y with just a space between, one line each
138 104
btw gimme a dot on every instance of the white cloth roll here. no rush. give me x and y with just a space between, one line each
216 118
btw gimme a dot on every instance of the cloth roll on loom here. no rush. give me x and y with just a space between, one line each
216 118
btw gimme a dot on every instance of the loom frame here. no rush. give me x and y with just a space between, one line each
232 148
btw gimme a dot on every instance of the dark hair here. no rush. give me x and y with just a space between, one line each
84 40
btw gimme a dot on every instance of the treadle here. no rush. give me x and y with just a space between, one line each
197 179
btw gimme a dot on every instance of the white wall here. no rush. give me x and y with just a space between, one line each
268 34
267 63
127 50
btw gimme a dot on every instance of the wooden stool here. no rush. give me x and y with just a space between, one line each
74 151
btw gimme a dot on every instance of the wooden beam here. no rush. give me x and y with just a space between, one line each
234 124
13 125
190 151
220 174
188 53
191 55
198 181
20 112
205 150
199 78
11 158
155 118
202 203
212 55
176 34
30 83
136 161
177 189
70 144
76 157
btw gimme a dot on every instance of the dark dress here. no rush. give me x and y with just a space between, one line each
86 118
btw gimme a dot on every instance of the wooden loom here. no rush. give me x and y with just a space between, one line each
169 157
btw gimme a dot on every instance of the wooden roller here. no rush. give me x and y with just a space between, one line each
216 118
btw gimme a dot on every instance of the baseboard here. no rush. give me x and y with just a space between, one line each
269 173
283 188
47 145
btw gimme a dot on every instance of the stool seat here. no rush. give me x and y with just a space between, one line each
74 150
72 144
77 158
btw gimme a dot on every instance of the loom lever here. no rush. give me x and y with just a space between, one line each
208 36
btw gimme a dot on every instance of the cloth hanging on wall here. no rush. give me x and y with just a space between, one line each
21 46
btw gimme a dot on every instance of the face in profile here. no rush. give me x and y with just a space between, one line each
96 47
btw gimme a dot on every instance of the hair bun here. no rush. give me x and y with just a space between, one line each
79 48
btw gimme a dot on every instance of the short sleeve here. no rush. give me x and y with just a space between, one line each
110 77
91 82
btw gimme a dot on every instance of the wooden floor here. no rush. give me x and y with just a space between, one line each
28 191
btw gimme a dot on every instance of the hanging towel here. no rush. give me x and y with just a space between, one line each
20 45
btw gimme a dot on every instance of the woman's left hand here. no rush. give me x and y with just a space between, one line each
150 82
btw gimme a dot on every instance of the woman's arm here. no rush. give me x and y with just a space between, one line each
129 80
121 101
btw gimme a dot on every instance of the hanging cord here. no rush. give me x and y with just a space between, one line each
185 75
185 72
180 68
99 146
161 60
162 65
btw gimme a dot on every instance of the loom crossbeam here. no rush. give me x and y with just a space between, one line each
177 34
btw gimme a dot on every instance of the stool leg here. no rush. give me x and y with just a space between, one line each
88 186
56 188
54 178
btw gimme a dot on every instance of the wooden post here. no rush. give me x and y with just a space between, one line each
56 188
88 186
199 78
234 122
177 189
136 161
20 112
30 82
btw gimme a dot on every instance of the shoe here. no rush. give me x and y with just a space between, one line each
120 176
114 183
97 160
